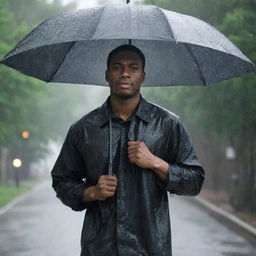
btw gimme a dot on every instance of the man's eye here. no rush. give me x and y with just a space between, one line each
134 68
116 67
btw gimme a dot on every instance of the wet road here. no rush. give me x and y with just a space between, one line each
40 225
195 233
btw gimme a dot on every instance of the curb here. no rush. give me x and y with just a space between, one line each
20 198
233 222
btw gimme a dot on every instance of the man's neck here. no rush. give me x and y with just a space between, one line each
124 108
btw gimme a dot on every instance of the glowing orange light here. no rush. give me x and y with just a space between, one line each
25 135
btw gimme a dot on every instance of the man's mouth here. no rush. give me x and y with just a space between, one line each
125 83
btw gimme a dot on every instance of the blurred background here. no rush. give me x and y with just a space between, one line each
221 119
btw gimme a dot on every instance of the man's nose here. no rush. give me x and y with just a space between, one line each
125 72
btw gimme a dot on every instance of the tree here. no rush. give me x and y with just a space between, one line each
22 98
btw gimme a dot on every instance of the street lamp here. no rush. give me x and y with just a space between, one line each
25 135
230 153
231 156
17 163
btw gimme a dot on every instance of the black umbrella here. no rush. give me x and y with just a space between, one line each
72 47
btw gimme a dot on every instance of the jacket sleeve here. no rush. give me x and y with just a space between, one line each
69 172
185 173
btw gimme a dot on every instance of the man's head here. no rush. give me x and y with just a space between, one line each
127 47
125 71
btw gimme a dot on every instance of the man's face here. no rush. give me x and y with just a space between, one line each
125 74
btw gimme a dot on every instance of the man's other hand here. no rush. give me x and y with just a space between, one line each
140 155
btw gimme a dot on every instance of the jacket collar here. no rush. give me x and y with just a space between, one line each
143 112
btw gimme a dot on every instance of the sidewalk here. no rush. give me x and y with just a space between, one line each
233 222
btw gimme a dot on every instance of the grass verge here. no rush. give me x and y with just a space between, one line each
10 192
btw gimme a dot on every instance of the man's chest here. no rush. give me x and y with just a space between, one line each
96 146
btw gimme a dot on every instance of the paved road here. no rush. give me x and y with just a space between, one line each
41 226
195 233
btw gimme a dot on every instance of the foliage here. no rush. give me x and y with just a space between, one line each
8 193
23 99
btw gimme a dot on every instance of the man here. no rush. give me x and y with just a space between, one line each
127 213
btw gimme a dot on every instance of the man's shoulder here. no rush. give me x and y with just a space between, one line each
158 111
93 117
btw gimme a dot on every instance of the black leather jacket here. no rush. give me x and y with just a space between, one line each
136 220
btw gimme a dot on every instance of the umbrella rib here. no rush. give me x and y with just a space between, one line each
197 64
96 27
57 69
171 30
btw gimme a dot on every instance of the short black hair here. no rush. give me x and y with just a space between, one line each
127 47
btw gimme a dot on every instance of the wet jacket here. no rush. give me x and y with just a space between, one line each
136 220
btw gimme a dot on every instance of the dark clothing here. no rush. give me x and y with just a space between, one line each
136 220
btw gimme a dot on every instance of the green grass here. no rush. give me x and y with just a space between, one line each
9 192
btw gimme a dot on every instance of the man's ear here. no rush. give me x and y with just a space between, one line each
106 75
143 76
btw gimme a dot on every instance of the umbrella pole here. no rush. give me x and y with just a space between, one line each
110 170
127 1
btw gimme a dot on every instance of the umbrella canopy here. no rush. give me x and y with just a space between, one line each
72 47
